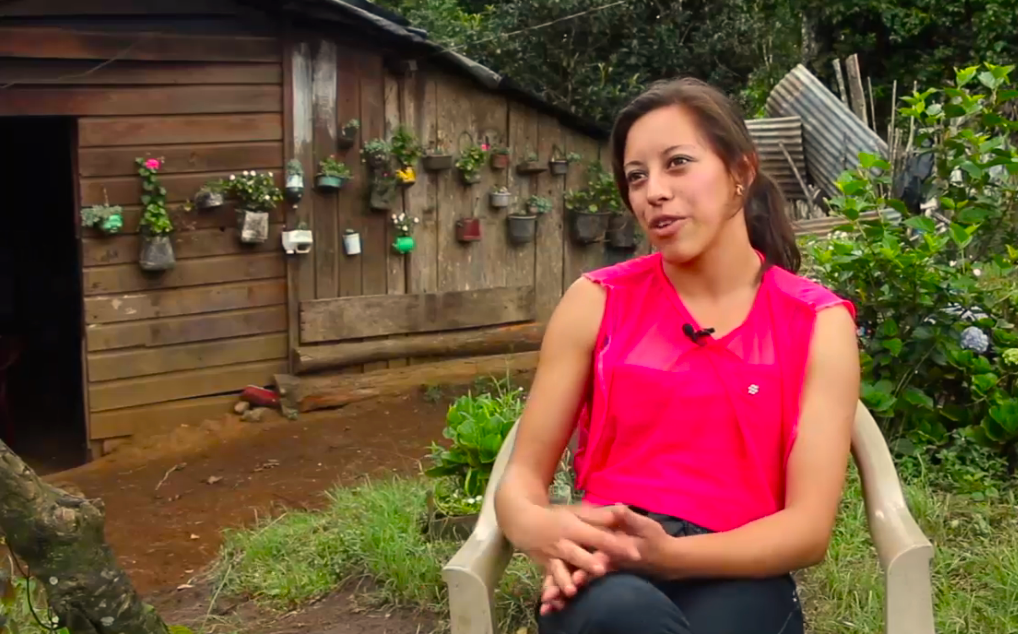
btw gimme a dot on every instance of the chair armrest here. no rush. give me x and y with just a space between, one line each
473 573
902 548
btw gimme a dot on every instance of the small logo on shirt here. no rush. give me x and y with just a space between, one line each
753 388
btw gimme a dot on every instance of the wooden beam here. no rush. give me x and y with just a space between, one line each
376 315
150 419
213 128
855 88
217 298
330 391
148 100
119 161
163 332
123 249
122 278
64 72
485 341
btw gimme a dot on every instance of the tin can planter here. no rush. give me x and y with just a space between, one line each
329 183
468 229
499 161
253 225
470 178
156 253
499 200
438 162
587 228
206 200
352 242
403 244
294 187
621 232
558 167
522 228
529 168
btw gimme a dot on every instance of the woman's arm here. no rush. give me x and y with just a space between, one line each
797 536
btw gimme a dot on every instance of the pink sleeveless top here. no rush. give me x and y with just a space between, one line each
699 431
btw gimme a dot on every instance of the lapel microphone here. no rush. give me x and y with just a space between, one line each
696 335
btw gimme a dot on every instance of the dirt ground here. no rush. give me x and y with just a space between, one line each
168 498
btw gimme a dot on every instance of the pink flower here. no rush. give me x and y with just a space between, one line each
153 164
484 146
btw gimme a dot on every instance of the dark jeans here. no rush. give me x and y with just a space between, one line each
627 603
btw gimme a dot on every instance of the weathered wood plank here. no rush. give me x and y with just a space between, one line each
224 218
178 385
123 278
325 204
217 128
57 43
491 114
107 309
351 213
549 243
125 364
395 263
484 341
150 419
520 259
325 391
421 116
148 100
164 332
454 200
579 259
60 72
119 161
127 190
301 270
377 315
123 249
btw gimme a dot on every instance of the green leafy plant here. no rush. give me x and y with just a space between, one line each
437 147
405 147
293 166
350 128
376 152
497 148
599 195
254 191
155 219
106 218
403 223
472 158
538 205
329 166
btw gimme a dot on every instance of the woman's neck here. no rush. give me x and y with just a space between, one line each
729 266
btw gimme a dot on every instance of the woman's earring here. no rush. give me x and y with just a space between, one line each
738 190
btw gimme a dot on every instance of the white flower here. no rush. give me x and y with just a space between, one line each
406 228
976 272
416 220
266 197
951 263
245 173
394 217
233 177
974 339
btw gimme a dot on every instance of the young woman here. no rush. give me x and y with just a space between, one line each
715 392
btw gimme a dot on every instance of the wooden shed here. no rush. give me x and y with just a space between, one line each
214 88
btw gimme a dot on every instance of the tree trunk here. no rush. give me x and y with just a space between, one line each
61 538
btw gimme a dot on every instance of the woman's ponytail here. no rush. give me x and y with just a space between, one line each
770 231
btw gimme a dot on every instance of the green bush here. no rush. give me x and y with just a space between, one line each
936 293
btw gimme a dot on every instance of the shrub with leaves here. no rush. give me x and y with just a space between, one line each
599 195
472 158
254 191
405 147
155 219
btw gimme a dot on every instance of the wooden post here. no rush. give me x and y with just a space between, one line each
841 81
855 88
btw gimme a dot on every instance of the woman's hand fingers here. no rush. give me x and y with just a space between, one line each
614 544
562 579
579 558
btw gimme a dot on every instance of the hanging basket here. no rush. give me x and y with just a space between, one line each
329 183
587 228
621 231
522 228
294 187
438 162
558 167
499 161
499 200
345 140
156 253
403 244
529 168
352 242
470 178
208 200
406 182
381 197
253 225
468 229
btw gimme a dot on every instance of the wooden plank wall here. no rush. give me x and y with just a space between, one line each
165 348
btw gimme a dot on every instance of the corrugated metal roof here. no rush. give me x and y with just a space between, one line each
833 135
787 131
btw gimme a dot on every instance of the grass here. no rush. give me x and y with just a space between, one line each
372 532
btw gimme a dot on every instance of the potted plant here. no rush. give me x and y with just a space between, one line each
590 209
298 240
348 134
559 164
499 157
468 229
383 187
499 198
407 151
256 195
437 157
294 180
106 218
404 226
522 226
470 162
156 246
377 154
210 196
332 175
351 242
621 232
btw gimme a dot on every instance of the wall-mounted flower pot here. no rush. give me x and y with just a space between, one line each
403 244
405 182
470 178
297 241
499 161
345 140
521 228
329 183
587 228
254 226
352 242
468 229
381 196
441 527
208 200
294 187
438 162
558 167
499 200
621 231
529 168
156 253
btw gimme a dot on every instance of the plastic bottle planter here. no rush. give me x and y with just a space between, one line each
352 242
470 178
530 166
253 225
348 135
381 196
468 229
587 228
499 200
297 241
499 160
522 228
403 244
438 162
156 253
329 183
621 231
294 187
207 199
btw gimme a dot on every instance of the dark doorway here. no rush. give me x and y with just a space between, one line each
40 294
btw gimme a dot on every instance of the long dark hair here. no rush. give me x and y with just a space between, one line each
721 122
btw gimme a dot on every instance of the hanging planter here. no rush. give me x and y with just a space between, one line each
499 198
470 178
407 151
156 252
470 161
468 229
383 189
256 195
298 240
351 242
294 180
403 245
538 205
253 225
109 219
558 164
406 177
348 135
587 227
621 231
438 162
208 197
377 154
499 158
522 228
332 175
530 165
404 226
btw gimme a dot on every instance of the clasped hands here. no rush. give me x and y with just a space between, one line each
578 543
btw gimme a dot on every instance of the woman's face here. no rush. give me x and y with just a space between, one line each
680 190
